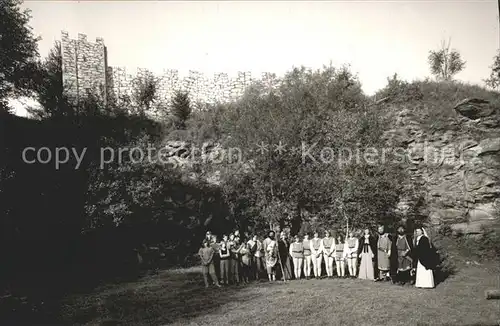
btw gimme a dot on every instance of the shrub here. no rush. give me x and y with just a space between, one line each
399 91
445 62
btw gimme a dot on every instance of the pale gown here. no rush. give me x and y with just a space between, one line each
366 271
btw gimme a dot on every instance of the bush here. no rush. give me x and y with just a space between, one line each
485 246
399 91
326 108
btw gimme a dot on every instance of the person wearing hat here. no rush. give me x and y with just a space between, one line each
426 259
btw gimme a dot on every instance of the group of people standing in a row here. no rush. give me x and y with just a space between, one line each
234 260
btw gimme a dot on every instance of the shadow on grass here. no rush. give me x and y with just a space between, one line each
169 297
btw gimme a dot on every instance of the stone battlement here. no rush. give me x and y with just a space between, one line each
85 68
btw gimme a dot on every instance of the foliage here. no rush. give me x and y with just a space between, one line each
18 51
484 246
144 93
320 109
399 91
181 109
494 80
85 222
445 62
49 89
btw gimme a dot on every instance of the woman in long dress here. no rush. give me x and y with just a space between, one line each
425 264
367 248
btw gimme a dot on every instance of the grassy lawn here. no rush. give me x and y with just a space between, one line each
179 297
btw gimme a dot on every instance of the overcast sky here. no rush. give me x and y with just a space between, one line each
378 38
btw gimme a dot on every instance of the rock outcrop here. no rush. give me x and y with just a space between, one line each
458 164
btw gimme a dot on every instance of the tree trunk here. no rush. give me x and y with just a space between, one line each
296 222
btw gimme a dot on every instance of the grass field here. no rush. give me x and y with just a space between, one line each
179 297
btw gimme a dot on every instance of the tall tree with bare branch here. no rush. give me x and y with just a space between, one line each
445 62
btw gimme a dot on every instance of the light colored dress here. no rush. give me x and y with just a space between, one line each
384 246
366 271
425 277
271 256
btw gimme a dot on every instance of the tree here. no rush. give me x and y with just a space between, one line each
494 80
325 110
145 92
181 109
445 62
49 89
18 51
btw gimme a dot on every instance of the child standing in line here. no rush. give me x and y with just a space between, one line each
340 253
352 244
297 254
246 262
224 263
207 254
306 243
235 261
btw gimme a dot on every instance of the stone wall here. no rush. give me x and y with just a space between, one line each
457 166
85 68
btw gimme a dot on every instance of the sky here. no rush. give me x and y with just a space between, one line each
377 38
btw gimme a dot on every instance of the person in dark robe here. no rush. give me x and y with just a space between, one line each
403 250
284 257
425 258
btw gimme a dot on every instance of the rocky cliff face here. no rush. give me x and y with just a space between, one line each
457 164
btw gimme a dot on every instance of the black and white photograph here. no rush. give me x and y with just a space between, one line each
250 162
